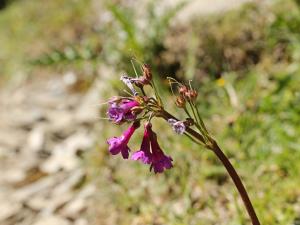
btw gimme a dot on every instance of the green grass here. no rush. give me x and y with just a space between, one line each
260 134
29 28
260 137
253 111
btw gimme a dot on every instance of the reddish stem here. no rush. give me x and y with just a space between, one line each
238 183
230 169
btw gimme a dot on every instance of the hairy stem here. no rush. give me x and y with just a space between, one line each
226 163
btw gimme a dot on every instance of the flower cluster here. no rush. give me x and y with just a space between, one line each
150 151
141 107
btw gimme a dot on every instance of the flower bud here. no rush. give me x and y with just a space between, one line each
145 78
182 90
147 72
192 94
180 102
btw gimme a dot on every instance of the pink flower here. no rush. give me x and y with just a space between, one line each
156 157
144 154
120 112
159 161
119 144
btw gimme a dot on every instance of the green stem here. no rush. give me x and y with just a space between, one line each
156 93
200 119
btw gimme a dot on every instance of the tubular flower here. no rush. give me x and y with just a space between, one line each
159 161
144 154
120 112
119 144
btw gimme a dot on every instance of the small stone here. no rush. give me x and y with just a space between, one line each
81 222
13 175
65 154
52 220
36 139
42 185
79 204
8 208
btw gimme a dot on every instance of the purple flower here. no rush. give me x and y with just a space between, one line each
177 126
159 161
144 154
119 112
119 144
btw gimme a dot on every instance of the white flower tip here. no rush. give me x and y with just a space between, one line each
177 126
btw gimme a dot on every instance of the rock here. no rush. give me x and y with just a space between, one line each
13 175
48 204
42 185
8 208
81 222
87 111
52 220
4 151
66 186
59 195
69 78
36 139
64 155
79 204
12 139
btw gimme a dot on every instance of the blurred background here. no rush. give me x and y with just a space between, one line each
60 59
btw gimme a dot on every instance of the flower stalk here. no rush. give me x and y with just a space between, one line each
129 109
227 164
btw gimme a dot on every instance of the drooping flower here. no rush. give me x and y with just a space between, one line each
159 161
121 111
144 154
120 144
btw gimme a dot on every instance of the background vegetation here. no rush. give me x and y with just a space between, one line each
245 64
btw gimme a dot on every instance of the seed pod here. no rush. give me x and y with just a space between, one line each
191 95
182 90
147 72
180 102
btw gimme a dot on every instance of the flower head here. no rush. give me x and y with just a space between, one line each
121 110
119 144
144 154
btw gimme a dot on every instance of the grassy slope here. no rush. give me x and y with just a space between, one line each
28 28
260 135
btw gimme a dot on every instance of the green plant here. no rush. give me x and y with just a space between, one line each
142 107
144 43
